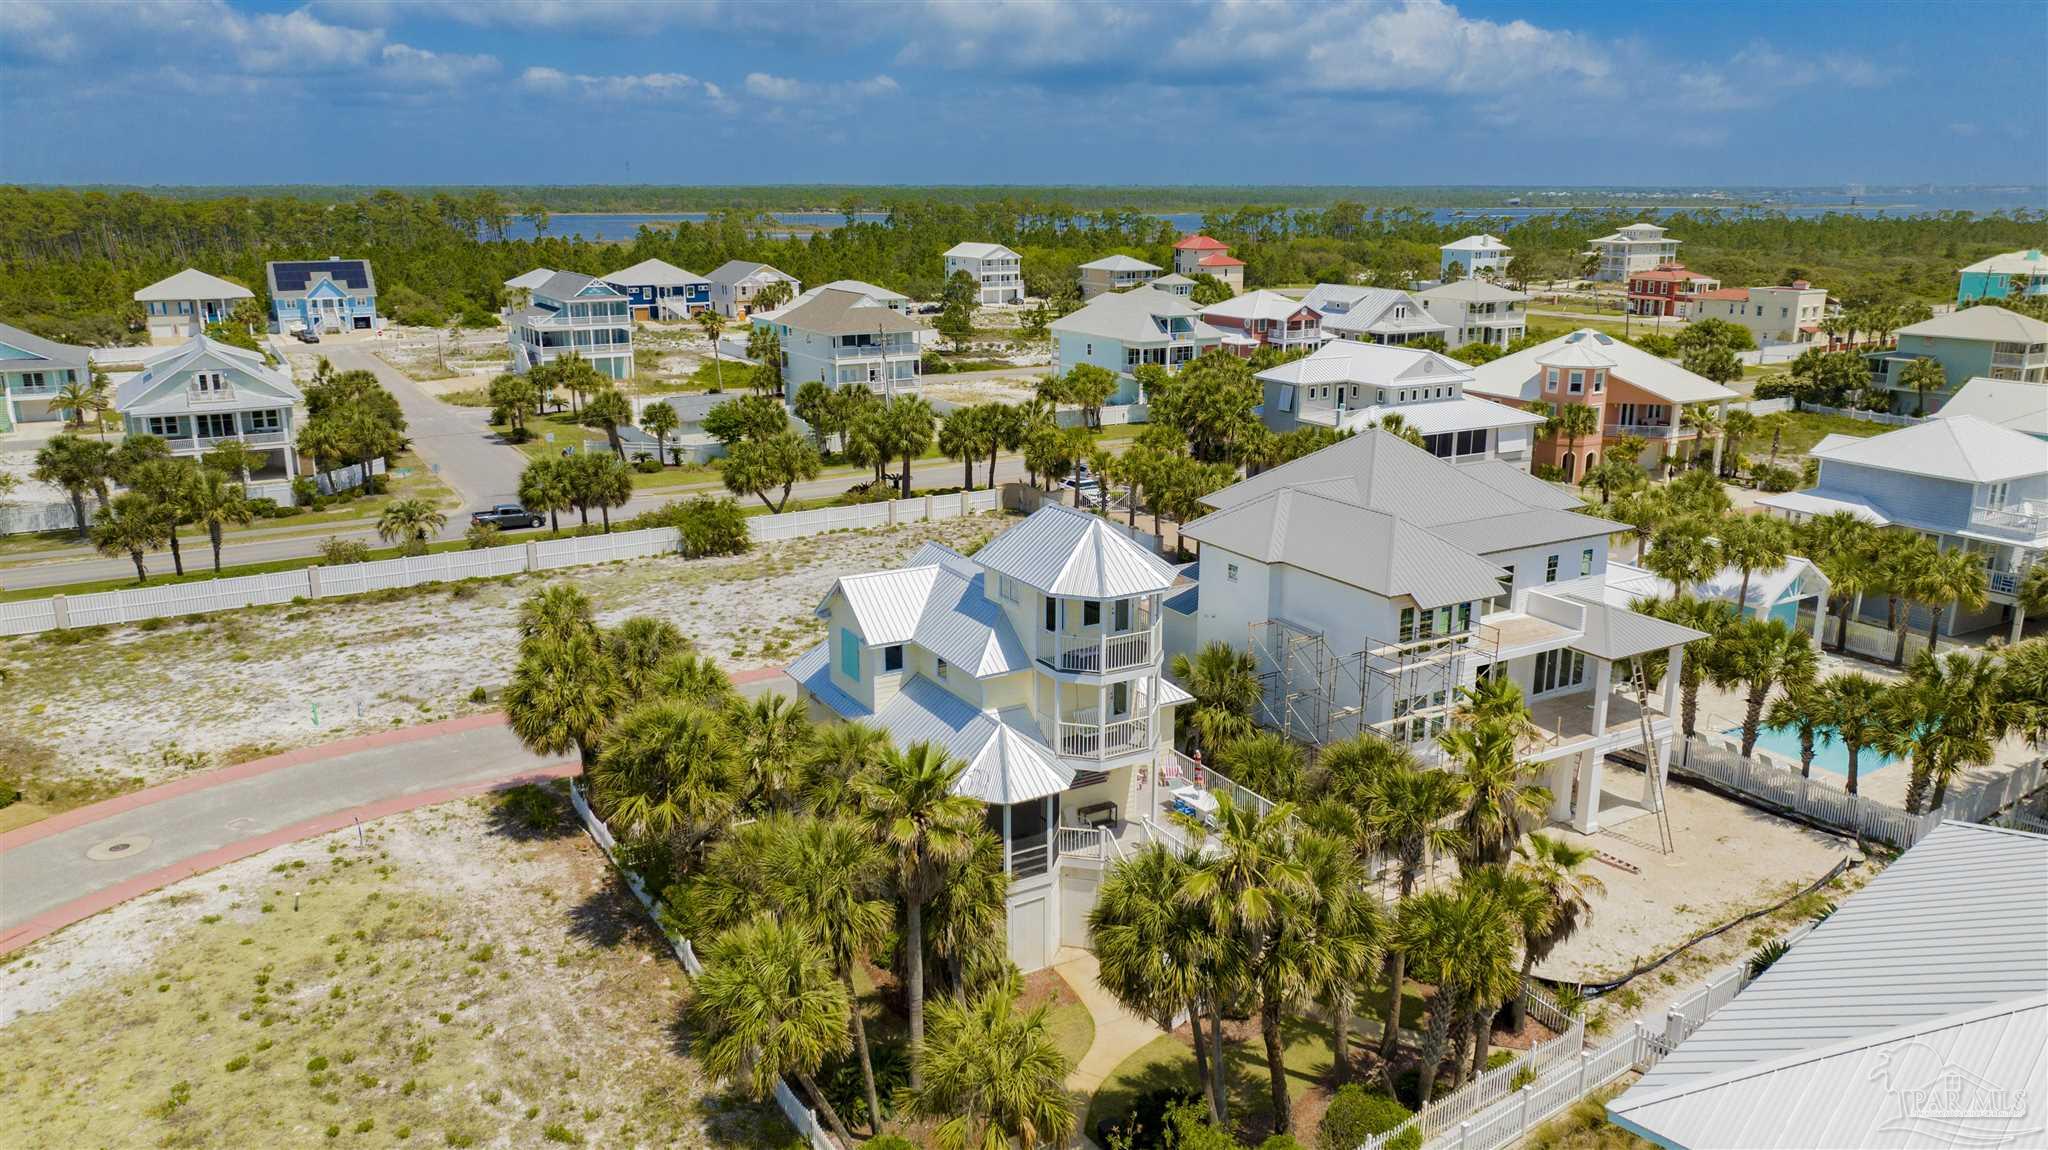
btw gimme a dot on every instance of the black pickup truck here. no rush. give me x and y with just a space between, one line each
509 517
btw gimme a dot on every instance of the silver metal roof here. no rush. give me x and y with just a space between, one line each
1612 632
1061 551
38 348
813 672
1343 541
936 602
1934 977
164 388
1006 760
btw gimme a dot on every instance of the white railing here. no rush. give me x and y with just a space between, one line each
253 439
1883 417
132 605
1086 844
1105 740
2029 518
1714 759
1646 430
1101 653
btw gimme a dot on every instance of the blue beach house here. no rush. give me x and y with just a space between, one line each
333 294
1970 342
657 289
1474 255
2022 273
32 371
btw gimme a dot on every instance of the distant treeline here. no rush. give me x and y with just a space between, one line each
879 197
70 261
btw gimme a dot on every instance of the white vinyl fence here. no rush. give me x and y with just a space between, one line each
802 1117
127 605
1884 417
1486 1115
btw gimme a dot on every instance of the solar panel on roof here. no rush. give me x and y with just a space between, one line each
293 276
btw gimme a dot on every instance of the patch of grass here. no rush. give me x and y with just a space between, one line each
1073 1030
1168 1061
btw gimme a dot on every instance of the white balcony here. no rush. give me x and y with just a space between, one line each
2027 519
260 440
1102 653
1087 737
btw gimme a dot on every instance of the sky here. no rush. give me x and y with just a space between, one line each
1000 91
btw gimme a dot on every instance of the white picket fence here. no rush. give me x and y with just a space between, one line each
1884 417
133 605
802 1117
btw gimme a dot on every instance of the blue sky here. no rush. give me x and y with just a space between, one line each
901 91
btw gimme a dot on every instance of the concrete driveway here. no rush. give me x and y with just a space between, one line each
456 441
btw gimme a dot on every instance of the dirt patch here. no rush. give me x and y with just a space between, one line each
117 706
455 976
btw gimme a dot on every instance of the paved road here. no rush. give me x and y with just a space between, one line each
73 865
456 440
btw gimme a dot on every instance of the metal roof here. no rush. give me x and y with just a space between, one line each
193 284
1473 291
1351 544
970 250
1816 503
1432 416
738 271
1061 551
164 387
1006 760
1611 632
290 279
1260 304
531 280
1134 316
568 286
1118 263
813 672
656 273
1519 377
1963 448
2023 407
1484 242
937 602
1983 322
38 348
837 312
1370 365
1934 977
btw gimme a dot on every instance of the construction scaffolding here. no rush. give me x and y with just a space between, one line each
1403 691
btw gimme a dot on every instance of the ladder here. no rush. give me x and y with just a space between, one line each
1655 779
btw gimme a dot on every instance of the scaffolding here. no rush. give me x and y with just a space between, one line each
1403 691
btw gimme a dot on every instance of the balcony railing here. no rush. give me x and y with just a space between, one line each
1646 430
2028 518
1090 740
252 439
1101 654
1030 856
2004 582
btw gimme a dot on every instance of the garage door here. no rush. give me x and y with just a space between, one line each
1029 923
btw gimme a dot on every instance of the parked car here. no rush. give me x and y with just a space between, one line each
509 517
307 335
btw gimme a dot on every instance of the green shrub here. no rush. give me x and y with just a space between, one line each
1499 1058
887 1142
336 551
238 1062
479 695
648 467
481 536
840 1078
531 806
1354 1114
1281 1142
1144 1128
709 526
304 491
556 1132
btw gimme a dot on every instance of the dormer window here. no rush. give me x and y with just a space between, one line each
208 383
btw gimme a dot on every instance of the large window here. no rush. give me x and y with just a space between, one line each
1558 669
215 424
849 654
257 421
1550 569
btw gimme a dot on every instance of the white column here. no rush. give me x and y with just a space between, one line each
1603 686
1674 663
1820 622
1586 812
1655 794
1006 838
1561 773
2019 622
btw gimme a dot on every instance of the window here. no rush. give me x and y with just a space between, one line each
849 654
1578 383
208 383
164 426
214 425
1464 616
1995 495
942 670
256 421
1230 572
1550 569
1407 624
1091 613
1507 579
1550 379
892 657
1586 561
1052 613
1006 587
1600 380
1559 668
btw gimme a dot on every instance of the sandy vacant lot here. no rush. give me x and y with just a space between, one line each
460 977
134 705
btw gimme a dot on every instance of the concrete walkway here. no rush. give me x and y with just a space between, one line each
1118 1033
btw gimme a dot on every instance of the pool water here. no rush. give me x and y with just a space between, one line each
1830 756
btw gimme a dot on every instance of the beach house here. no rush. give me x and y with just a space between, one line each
1351 386
998 270
330 295
185 305
32 371
1121 330
574 314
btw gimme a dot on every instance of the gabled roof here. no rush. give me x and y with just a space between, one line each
530 280
978 251
737 271
836 312
1934 974
1219 261
1201 243
1473 290
164 387
1352 544
1062 551
566 286
1372 312
654 273
1173 279
1962 448
1261 304
1478 243
2028 261
1723 293
192 284
2023 407
1579 353
290 279
1611 632
1519 376
1982 322
1133 316
34 348
1430 416
1118 263
873 293
1370 365
936 602
1007 762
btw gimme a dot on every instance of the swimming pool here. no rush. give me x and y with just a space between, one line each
1830 756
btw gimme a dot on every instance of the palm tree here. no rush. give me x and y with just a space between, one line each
994 1079
410 521
1759 654
79 466
660 420
713 324
607 411
1225 684
544 486
1904 560
2032 595
607 484
1496 698
639 646
839 753
830 878
1753 543
1408 811
1570 422
1557 868
1948 713
1461 941
1499 795
768 1004
1248 891
964 927
1528 909
1644 511
1684 552
76 399
1801 709
1706 421
961 437
558 611
1152 947
562 695
131 525
1840 543
1266 761
771 737
691 678
912 812
1736 426
1712 616
1952 576
1338 940
1923 376
667 770
166 483
910 421
1853 706
213 501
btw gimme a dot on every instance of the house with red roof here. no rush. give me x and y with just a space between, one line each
1667 289
1200 255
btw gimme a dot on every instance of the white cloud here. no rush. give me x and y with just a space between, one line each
643 86
1427 46
405 64
766 87
785 90
38 32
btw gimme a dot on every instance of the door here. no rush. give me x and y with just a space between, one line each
1078 889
